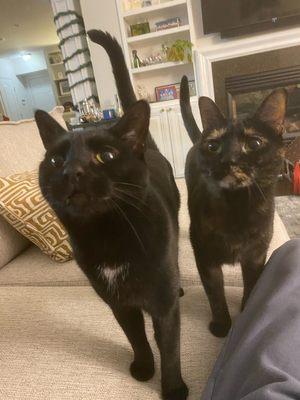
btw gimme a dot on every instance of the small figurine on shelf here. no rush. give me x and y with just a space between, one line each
137 63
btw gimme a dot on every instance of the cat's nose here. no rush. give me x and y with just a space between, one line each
73 172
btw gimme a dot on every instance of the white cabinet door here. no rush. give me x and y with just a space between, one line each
180 140
160 131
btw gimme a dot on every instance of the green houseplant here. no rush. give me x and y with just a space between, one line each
180 50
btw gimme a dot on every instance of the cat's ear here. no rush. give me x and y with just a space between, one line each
273 110
50 130
134 126
212 117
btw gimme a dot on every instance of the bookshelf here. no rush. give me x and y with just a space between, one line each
149 77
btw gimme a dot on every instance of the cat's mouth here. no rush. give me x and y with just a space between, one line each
79 199
235 179
76 197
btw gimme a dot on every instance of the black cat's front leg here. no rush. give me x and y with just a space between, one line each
252 267
131 321
167 335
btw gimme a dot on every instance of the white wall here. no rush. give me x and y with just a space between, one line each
13 72
102 14
21 97
36 63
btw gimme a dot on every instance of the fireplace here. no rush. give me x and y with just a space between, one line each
242 83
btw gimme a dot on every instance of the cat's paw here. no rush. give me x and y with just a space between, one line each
220 329
142 371
181 393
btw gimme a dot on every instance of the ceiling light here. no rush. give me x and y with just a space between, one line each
26 56
2 39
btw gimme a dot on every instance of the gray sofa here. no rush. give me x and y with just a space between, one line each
58 340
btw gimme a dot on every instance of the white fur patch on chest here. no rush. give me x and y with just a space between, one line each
113 274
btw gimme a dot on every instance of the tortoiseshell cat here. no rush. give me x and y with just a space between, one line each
231 172
115 193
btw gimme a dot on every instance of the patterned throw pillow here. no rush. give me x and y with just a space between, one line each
23 206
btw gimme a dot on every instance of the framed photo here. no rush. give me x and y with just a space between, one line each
168 23
64 87
140 29
167 92
55 58
192 87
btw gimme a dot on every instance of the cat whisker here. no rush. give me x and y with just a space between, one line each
129 194
129 184
260 190
130 224
132 205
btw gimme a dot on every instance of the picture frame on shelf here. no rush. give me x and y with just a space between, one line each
64 87
166 92
140 29
60 75
167 24
55 58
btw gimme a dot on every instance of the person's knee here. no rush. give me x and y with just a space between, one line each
292 246
288 255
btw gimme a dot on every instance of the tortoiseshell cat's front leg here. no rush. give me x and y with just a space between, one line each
252 267
167 335
211 275
131 321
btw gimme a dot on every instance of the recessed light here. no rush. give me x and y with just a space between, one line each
26 56
2 39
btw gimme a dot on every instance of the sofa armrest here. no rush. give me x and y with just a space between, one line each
11 243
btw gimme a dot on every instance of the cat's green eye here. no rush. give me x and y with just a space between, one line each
106 156
56 161
214 146
254 143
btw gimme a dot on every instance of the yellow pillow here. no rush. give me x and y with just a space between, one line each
24 207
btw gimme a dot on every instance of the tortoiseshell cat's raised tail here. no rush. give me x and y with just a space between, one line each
120 71
231 173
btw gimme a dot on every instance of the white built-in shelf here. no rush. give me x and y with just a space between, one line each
158 34
154 67
150 9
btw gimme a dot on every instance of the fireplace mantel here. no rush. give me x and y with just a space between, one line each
237 48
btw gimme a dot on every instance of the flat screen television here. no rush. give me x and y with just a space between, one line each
237 17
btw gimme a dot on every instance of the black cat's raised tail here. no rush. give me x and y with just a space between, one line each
119 67
120 71
186 111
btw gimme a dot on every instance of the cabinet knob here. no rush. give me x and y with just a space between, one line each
162 110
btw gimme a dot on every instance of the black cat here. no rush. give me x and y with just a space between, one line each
231 172
116 195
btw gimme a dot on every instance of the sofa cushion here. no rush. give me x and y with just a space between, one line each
64 344
34 268
23 206
11 243
21 146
